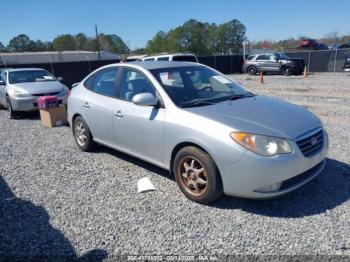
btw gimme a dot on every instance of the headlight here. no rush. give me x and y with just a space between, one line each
262 145
18 93
65 91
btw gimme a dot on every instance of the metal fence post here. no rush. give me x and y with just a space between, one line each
309 62
335 59
52 71
87 58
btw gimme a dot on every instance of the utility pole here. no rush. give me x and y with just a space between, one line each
97 43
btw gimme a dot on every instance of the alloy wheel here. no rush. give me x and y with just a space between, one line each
194 178
80 133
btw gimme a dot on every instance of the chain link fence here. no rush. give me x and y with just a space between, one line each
81 65
323 60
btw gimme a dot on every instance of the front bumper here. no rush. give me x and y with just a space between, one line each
252 172
29 103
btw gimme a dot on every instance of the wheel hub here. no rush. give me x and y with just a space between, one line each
193 176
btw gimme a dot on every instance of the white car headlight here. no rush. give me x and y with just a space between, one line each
18 93
65 91
262 145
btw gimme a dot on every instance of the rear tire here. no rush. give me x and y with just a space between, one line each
82 135
197 175
252 70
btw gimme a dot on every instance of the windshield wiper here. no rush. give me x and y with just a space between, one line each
234 97
198 103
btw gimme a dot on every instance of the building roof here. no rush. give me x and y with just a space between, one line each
23 69
54 57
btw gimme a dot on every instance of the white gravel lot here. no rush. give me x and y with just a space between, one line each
58 201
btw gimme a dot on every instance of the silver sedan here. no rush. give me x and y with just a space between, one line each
20 87
213 135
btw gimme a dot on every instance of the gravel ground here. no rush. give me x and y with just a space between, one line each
58 201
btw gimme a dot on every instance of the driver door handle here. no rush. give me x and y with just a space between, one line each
118 113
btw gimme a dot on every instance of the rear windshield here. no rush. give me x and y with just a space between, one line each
27 76
185 58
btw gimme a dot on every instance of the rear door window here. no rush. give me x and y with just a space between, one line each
105 82
262 57
89 83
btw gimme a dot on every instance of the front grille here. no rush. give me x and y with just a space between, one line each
300 178
312 144
47 94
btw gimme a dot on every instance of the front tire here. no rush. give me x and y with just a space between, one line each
197 175
286 71
82 135
11 114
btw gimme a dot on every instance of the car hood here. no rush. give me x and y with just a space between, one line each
40 87
261 115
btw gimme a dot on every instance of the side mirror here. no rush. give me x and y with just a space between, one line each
145 99
2 83
60 78
276 60
75 84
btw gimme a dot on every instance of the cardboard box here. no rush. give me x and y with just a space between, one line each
52 117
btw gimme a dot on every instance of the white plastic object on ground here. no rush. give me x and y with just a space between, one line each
145 184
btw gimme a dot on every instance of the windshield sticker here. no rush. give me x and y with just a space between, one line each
222 79
48 77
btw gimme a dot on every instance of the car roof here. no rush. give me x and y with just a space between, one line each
149 65
169 54
23 69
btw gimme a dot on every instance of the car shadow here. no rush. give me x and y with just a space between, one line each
327 191
26 233
136 161
34 115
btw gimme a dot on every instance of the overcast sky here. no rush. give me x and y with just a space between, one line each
137 21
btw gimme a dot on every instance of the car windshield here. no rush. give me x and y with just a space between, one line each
282 56
198 86
27 76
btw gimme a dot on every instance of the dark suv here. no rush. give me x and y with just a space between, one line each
273 63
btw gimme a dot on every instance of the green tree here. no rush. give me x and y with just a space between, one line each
157 43
112 43
21 43
81 41
2 48
200 38
64 43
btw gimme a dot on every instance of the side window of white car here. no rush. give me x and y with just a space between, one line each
105 82
89 83
165 58
134 82
3 76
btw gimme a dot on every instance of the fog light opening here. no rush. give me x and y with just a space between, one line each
269 189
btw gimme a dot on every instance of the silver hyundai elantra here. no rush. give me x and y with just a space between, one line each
213 135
